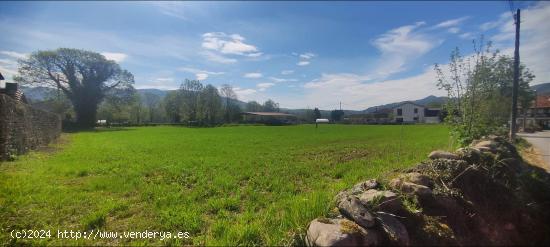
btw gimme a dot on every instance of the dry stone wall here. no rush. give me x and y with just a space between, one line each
484 194
23 128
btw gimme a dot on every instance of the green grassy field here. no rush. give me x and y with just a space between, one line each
241 185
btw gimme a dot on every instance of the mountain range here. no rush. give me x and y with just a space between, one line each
35 94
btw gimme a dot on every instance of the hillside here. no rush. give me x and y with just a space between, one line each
41 93
542 88
425 101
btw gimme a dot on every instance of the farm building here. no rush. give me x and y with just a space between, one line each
275 118
380 116
409 112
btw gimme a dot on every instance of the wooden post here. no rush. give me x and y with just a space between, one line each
516 82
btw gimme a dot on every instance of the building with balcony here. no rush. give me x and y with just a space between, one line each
410 112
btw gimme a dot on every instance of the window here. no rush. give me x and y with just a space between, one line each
399 112
415 118
399 120
415 110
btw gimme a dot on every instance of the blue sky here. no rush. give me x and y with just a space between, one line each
301 54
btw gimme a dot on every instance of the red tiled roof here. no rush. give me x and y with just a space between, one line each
542 101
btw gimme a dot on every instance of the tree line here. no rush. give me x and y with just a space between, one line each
90 87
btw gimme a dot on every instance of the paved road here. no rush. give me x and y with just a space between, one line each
541 142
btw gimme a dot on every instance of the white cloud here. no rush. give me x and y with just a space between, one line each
401 46
117 57
171 8
287 72
362 91
275 79
13 54
453 30
165 83
452 22
221 44
354 91
305 58
200 74
8 64
307 55
263 86
254 75
218 58
466 35
245 93
504 17
257 54
535 45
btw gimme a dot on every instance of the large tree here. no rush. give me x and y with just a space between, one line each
231 109
479 87
271 106
189 97
151 101
209 105
85 77
253 106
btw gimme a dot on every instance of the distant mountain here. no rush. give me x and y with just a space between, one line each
38 93
159 92
542 89
430 100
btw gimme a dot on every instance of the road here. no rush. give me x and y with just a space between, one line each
541 142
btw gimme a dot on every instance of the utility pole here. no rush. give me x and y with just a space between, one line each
340 105
516 81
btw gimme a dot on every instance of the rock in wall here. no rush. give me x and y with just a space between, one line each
484 194
23 128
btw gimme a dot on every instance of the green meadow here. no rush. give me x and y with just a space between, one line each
242 185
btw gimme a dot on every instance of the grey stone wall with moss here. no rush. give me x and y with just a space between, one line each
23 128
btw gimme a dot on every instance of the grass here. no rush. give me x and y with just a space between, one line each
247 185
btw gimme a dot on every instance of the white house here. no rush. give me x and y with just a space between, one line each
409 112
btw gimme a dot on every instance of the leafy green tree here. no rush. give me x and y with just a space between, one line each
337 115
253 106
118 106
172 106
210 105
231 109
57 102
189 99
480 91
85 77
270 106
152 101
316 113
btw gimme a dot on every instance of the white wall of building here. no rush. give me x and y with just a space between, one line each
409 114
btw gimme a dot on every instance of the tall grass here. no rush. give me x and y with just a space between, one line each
248 185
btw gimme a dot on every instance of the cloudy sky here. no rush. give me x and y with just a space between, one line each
301 54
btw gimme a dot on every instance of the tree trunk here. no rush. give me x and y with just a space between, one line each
86 111
85 107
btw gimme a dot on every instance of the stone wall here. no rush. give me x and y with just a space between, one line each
23 128
481 195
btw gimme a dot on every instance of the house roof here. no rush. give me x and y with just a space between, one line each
542 101
408 102
273 114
